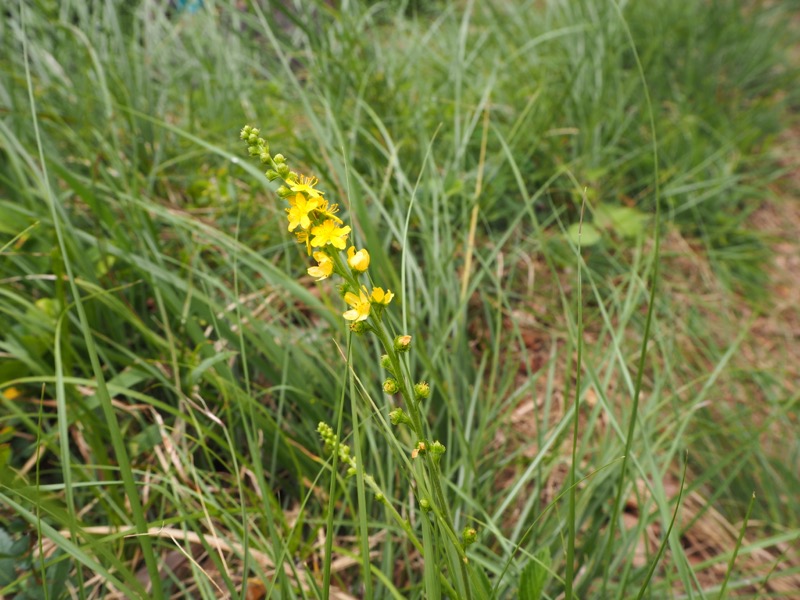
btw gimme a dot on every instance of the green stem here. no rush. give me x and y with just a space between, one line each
418 427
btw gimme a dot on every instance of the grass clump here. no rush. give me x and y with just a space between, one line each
166 356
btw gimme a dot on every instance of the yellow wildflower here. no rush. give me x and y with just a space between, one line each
298 213
325 267
303 237
306 185
360 307
381 297
358 261
329 233
329 211
11 393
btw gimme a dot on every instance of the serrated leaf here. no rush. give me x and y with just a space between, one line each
534 576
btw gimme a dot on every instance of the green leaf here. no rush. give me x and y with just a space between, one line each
586 234
481 586
146 440
10 552
534 576
209 362
623 220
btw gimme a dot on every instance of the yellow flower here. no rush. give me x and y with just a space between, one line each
360 307
329 233
358 261
329 211
306 185
304 238
381 297
325 267
12 393
298 213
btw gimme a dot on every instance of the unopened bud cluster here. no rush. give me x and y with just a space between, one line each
331 444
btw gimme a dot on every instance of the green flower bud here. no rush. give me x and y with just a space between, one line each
279 159
386 363
272 175
390 386
469 536
380 497
422 390
398 416
351 471
359 327
264 156
253 137
253 150
283 170
245 133
402 343
283 191
425 505
437 449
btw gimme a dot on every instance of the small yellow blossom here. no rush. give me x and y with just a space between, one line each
381 297
303 237
298 213
358 261
360 307
306 185
329 211
11 393
329 233
325 267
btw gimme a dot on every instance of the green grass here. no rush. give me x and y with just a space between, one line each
174 361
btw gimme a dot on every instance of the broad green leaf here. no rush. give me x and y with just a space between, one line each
586 234
623 220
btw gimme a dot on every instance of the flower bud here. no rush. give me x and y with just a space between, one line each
253 137
422 390
245 133
469 536
425 505
253 150
398 416
351 472
386 363
272 175
418 449
283 170
358 261
264 156
390 386
402 343
283 191
359 327
437 449
279 159
380 497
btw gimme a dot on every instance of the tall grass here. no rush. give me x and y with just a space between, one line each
172 361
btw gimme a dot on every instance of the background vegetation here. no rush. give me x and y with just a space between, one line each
165 361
